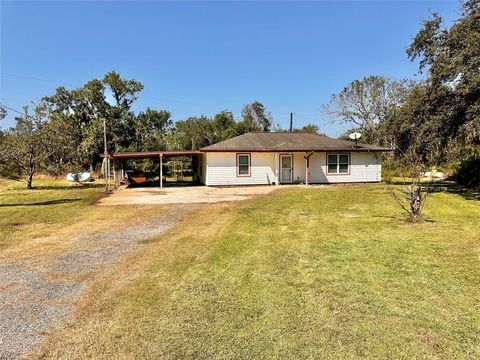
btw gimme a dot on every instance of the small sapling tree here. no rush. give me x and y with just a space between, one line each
412 194
26 143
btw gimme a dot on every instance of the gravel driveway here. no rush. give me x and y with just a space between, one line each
34 299
185 194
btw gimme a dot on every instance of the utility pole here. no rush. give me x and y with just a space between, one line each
105 155
291 122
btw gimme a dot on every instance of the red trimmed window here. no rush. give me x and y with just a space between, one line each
243 164
338 164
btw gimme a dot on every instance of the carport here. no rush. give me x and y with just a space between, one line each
116 171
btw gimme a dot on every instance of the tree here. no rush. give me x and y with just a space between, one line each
413 196
309 129
224 125
364 104
84 109
5 170
151 128
255 118
450 105
64 143
124 91
306 129
26 143
468 167
193 133
80 112
3 112
120 120
413 193
197 132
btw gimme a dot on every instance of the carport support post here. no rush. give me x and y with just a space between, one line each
307 166
161 171
114 174
277 179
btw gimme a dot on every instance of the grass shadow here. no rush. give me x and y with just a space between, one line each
43 203
404 219
448 186
66 187
454 188
391 217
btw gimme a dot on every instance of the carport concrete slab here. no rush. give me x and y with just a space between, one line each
182 195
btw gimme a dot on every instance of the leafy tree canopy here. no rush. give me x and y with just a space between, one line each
255 118
364 104
26 144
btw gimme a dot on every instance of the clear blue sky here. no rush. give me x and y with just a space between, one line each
201 57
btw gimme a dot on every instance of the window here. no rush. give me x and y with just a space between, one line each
243 164
338 163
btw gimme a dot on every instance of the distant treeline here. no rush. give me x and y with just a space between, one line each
65 131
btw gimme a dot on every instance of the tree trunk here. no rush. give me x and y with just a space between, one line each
31 171
29 180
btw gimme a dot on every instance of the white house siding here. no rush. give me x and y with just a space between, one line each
222 169
364 167
318 168
299 167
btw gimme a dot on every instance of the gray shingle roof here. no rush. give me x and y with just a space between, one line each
288 142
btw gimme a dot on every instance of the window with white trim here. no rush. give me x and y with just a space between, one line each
243 164
338 163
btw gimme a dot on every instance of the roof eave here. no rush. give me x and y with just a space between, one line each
150 154
302 150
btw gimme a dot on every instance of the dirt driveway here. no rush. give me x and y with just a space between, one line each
183 194
38 292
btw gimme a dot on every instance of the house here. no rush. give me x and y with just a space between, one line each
267 159
285 158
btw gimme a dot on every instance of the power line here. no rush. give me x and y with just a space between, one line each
33 78
18 112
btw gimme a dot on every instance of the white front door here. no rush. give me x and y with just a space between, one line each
286 169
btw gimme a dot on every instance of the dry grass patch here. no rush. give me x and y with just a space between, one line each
30 229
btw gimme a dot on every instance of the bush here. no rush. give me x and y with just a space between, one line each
468 169
9 169
390 170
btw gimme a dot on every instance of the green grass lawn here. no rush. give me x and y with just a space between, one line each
318 273
50 202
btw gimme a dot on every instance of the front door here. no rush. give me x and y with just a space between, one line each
286 170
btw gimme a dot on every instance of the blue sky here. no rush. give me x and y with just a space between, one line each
198 58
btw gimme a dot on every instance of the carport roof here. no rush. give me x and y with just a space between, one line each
151 154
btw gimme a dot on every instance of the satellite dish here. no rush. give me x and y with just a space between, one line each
355 136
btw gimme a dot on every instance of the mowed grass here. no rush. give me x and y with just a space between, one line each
317 273
25 213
